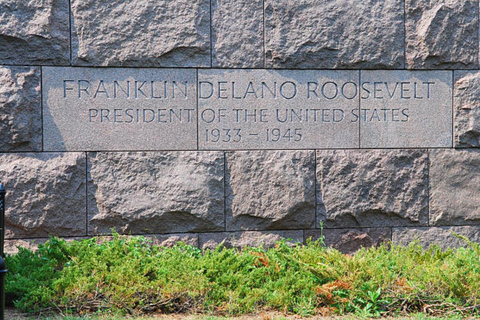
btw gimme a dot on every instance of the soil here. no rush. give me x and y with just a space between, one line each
14 314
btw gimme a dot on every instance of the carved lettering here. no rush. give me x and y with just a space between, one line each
145 115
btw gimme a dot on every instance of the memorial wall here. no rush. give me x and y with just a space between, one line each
242 122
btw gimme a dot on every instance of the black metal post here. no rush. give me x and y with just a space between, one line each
3 271
2 219
3 267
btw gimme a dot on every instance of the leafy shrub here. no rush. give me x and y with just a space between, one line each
130 275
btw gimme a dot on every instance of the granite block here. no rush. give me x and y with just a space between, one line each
20 109
284 109
119 109
237 34
444 237
34 32
268 190
350 240
155 192
466 102
372 188
334 34
441 34
406 109
266 239
141 33
454 187
46 194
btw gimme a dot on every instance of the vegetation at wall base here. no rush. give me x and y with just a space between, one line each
129 275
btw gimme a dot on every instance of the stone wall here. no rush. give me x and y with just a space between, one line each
357 195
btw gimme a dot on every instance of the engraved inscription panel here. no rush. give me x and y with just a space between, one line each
93 109
406 109
278 109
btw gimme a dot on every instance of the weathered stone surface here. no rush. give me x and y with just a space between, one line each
34 32
20 109
169 240
350 240
46 194
442 236
11 246
93 109
270 190
141 33
163 240
372 188
278 109
467 108
334 34
454 187
405 109
441 34
240 239
237 33
155 192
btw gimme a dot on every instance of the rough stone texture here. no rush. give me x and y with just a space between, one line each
454 187
441 236
11 246
466 103
237 33
270 190
441 34
45 194
350 240
169 240
20 109
163 240
155 192
372 188
34 32
334 34
143 33
240 239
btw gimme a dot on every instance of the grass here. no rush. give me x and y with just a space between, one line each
130 276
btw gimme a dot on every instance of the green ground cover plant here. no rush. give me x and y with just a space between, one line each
129 275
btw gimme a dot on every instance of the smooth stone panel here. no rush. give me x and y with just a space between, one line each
334 34
46 194
467 109
406 109
237 33
119 109
141 33
34 32
283 109
155 192
455 187
372 188
20 109
441 34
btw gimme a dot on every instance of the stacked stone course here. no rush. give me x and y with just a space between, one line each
240 197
